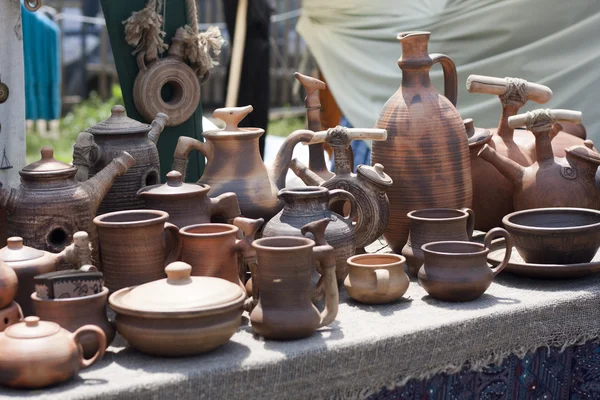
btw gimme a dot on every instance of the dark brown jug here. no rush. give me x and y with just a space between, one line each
426 153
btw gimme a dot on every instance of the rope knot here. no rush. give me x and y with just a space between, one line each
539 120
515 93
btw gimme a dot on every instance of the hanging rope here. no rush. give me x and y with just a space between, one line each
144 30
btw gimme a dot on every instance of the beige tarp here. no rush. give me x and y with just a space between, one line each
552 42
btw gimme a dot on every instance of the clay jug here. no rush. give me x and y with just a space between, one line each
426 153
311 203
433 225
550 181
282 291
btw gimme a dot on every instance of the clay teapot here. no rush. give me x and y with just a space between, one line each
36 354
97 147
368 185
426 153
234 163
189 204
551 181
28 262
50 205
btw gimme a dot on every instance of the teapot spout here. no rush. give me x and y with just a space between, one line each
511 170
157 126
284 156
304 173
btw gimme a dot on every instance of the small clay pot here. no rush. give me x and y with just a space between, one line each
9 315
376 278
75 312
458 271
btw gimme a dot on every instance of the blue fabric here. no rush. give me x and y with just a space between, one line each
41 54
362 152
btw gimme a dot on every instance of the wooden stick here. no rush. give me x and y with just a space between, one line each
237 54
557 115
353 134
491 85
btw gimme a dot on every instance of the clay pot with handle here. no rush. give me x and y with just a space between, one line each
376 278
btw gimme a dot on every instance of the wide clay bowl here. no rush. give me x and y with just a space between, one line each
555 235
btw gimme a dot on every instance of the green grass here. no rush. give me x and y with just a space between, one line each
285 126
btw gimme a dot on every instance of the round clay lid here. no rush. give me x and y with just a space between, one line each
178 293
586 151
31 327
476 136
374 174
16 251
173 187
47 164
118 123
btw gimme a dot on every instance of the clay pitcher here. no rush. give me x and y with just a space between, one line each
433 225
426 153
283 292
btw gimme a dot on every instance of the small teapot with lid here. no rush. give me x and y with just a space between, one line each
35 354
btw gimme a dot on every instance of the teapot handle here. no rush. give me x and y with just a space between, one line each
487 242
450 77
185 144
340 194
470 221
173 243
100 336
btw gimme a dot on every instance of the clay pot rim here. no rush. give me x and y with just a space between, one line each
304 192
513 226
403 35
400 261
464 214
241 133
308 243
231 229
427 248
159 216
103 293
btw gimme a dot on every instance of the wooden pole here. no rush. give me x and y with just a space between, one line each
237 54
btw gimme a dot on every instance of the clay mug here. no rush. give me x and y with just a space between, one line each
376 278
434 225
136 245
36 354
282 284
458 271
213 249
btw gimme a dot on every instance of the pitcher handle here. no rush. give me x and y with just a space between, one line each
493 234
341 194
470 221
173 243
243 246
100 336
325 257
185 144
450 76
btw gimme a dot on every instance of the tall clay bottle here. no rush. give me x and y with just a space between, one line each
426 153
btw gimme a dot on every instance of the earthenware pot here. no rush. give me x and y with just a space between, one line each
9 315
8 285
458 271
215 250
376 278
555 235
312 203
28 262
426 153
234 163
550 181
189 204
35 354
73 313
50 205
136 246
433 225
282 293
181 315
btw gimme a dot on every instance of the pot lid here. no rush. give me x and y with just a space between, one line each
118 123
48 164
32 328
173 187
179 292
586 151
374 174
476 136
16 251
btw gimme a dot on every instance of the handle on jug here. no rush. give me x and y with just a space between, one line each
450 76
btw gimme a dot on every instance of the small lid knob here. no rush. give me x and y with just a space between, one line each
32 321
14 243
174 179
117 111
379 169
178 272
47 153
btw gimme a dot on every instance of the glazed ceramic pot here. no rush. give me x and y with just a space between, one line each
433 225
28 262
282 293
234 163
97 147
181 315
376 278
10 315
555 235
426 153
215 250
35 354
73 313
550 181
369 185
458 271
188 204
307 204
136 246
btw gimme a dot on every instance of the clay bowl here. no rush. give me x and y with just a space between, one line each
555 235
